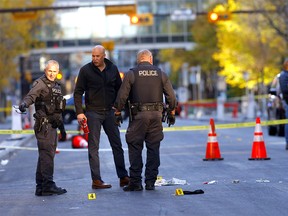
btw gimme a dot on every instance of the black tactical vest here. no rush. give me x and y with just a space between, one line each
147 87
54 101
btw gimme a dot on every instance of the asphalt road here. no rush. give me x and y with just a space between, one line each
237 190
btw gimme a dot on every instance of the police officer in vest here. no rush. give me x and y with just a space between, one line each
46 95
283 81
144 87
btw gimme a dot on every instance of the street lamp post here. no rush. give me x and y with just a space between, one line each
249 97
221 98
246 77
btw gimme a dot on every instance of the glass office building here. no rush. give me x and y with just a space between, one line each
168 27
171 28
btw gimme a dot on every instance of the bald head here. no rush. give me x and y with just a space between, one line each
144 55
98 55
99 49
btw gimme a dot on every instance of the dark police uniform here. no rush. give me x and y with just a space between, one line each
283 82
49 104
144 86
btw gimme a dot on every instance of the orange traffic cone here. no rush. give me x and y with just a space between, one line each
212 150
79 141
258 149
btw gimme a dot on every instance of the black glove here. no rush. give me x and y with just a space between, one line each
22 107
62 136
118 118
164 115
170 119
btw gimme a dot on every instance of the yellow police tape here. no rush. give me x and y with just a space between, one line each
30 132
174 128
226 126
5 109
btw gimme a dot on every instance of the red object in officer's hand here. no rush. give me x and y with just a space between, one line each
84 126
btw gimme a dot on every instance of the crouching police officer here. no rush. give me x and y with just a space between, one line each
144 87
49 103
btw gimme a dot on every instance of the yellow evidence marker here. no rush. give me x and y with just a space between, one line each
179 192
91 196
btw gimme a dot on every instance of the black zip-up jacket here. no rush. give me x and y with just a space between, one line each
100 88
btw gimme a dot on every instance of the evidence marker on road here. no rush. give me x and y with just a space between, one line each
91 196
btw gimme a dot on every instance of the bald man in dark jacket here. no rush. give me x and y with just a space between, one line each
100 81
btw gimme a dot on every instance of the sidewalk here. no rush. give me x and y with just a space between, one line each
14 140
5 126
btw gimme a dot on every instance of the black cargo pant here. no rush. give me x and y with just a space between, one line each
95 121
47 143
145 127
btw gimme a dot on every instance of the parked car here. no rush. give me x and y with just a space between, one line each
275 109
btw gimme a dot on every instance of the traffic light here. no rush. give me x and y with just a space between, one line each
109 45
26 15
122 75
219 16
142 19
59 76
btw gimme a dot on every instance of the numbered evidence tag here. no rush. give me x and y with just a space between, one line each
179 192
91 196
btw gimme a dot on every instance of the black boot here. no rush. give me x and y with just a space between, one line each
131 187
38 191
53 190
149 187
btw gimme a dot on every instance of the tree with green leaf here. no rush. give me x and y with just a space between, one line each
252 44
205 44
247 44
17 37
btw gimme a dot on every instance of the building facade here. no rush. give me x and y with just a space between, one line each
170 29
